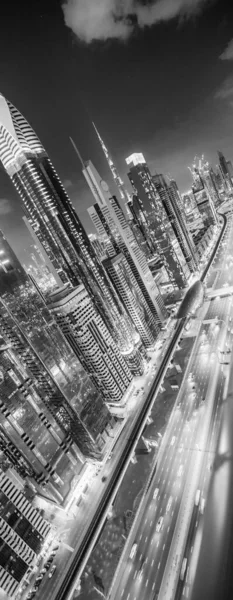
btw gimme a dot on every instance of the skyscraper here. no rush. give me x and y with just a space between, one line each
23 532
171 200
129 290
32 317
90 339
225 170
55 222
114 216
159 227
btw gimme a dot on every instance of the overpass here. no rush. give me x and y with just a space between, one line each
221 292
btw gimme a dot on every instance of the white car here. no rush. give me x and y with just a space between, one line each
155 494
180 470
202 505
52 571
159 524
133 550
173 440
169 504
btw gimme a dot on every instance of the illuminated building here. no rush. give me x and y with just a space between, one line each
129 291
139 226
114 247
159 227
204 179
204 191
114 217
91 341
23 532
225 169
32 317
54 221
171 203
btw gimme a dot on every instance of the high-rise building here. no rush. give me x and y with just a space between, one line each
114 217
23 532
124 194
129 291
52 217
32 317
225 169
115 246
90 339
159 227
204 191
171 201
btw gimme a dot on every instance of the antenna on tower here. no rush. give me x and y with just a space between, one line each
77 152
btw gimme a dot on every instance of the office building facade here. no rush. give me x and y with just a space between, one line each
32 317
55 222
90 339
116 219
160 229
22 531
171 202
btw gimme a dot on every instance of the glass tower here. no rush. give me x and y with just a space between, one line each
32 317
158 224
52 217
114 216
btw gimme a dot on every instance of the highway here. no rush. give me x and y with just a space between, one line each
65 588
141 575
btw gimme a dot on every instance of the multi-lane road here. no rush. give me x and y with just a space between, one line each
169 526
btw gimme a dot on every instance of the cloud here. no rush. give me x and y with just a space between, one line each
5 207
228 52
225 92
104 19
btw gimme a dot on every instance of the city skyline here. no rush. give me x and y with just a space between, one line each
169 131
116 299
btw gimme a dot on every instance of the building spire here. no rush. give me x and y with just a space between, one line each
77 152
116 176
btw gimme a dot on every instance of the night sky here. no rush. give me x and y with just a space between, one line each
164 92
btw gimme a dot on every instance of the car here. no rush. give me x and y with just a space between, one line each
180 470
159 524
43 571
173 440
202 505
52 571
155 494
140 572
39 578
133 550
169 504
197 497
104 478
183 569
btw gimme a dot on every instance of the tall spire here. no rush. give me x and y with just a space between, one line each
77 152
116 176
